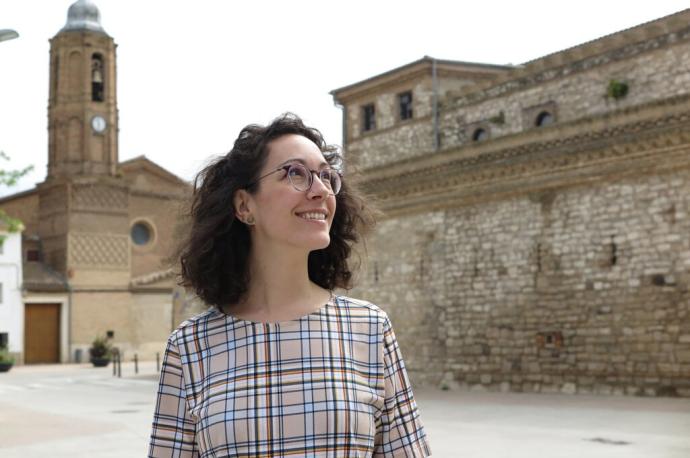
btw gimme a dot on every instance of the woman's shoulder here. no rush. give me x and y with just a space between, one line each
359 306
201 321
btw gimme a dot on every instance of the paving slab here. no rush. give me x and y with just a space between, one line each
77 410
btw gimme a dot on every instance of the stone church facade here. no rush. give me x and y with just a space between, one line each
97 230
536 229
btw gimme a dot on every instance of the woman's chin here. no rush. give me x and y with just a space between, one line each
319 243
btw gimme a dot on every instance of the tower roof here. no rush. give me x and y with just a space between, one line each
83 15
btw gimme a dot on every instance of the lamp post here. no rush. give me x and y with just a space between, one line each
7 34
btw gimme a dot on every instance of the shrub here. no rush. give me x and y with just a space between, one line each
100 348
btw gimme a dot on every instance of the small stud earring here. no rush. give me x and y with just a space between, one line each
249 221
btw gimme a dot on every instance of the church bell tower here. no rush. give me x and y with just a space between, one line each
82 106
84 202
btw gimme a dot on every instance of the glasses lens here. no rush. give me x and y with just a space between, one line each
299 176
331 180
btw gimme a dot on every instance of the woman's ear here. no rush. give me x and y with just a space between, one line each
240 202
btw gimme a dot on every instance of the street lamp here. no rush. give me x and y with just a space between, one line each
7 34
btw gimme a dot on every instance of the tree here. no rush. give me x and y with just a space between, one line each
9 178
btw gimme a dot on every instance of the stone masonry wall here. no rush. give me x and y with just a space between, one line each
575 290
402 276
393 139
578 94
655 69
604 272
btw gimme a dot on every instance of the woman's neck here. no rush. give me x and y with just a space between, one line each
279 287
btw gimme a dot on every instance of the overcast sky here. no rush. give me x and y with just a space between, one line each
192 74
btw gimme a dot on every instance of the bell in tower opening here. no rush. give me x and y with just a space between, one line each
82 106
97 78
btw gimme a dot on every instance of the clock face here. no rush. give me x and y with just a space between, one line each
98 123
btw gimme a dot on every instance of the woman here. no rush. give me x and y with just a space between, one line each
280 366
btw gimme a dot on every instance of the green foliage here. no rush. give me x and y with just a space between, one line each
617 89
10 178
100 348
500 118
5 356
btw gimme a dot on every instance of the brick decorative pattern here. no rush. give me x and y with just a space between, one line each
99 197
99 250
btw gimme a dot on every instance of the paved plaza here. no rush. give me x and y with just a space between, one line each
78 411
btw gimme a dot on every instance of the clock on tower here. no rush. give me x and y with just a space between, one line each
82 106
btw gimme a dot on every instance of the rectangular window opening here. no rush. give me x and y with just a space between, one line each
405 101
32 255
369 117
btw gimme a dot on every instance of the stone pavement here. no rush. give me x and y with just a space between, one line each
79 411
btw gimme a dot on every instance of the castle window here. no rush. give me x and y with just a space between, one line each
97 78
405 101
544 119
141 233
368 117
480 135
33 256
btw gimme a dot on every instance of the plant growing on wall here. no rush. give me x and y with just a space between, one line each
500 118
617 89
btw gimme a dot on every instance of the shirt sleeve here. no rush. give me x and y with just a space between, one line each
173 432
400 432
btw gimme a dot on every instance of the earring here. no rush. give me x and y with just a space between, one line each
249 221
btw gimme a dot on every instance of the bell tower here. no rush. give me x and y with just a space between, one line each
84 203
82 105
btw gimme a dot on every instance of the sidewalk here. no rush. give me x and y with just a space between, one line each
79 411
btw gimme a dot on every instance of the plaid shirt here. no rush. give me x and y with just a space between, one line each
329 384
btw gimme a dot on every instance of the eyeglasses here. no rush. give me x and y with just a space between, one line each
301 178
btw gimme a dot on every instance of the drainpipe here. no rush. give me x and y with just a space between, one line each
434 84
344 122
70 320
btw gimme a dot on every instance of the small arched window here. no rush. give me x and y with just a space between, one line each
97 82
480 135
544 118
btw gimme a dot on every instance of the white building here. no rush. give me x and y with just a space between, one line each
11 305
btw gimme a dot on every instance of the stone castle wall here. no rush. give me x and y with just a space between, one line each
582 289
570 92
551 259
400 274
393 139
653 69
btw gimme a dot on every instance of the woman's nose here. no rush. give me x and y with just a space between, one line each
318 188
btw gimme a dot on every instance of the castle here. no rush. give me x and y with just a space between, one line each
537 218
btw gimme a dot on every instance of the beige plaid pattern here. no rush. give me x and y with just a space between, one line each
330 384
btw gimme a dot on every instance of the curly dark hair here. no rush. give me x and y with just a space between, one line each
215 251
